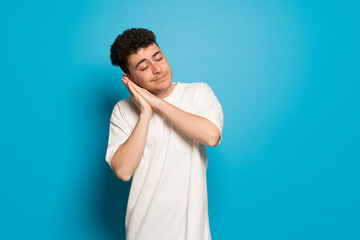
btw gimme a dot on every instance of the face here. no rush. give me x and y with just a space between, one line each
149 69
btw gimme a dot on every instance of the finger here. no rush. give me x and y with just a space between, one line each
138 90
136 87
142 91
127 80
124 82
126 85
132 91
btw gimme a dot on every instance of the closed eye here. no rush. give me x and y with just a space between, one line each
158 56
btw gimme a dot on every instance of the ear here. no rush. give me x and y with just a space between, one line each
127 75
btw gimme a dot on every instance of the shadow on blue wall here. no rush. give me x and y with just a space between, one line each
113 203
111 195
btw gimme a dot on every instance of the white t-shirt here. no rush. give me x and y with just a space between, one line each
168 194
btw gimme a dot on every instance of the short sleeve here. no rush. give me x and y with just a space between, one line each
118 133
209 107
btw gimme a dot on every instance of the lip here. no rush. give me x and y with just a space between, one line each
161 78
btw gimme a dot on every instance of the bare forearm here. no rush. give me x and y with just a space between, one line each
198 128
127 157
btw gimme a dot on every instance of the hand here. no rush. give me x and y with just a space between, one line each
140 102
152 100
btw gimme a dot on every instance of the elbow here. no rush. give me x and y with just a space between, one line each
214 143
121 174
214 140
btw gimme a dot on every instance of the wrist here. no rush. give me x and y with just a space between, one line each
158 104
146 114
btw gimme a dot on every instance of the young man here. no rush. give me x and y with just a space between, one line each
158 137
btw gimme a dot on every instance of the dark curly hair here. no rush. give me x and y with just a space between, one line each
127 43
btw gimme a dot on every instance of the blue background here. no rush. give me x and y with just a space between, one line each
285 72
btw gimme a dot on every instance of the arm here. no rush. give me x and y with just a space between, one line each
127 157
196 127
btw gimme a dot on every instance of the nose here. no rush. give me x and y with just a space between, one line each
156 68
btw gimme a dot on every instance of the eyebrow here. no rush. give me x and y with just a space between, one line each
142 60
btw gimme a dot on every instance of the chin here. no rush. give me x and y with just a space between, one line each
163 86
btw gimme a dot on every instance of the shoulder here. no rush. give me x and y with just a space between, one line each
195 87
125 103
201 89
124 107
